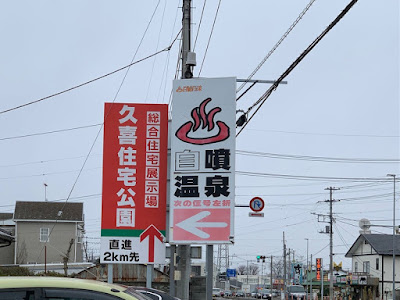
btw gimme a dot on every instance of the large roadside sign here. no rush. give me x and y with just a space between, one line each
133 221
202 186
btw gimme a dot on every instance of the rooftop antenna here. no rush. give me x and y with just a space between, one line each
364 224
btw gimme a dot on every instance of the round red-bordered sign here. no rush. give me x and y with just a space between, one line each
256 204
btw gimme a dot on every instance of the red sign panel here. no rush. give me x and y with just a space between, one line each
134 168
318 263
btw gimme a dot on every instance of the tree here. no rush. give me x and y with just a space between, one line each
241 270
251 270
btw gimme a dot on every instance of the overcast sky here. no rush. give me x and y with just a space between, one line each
341 105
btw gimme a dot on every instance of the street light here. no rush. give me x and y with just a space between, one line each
394 234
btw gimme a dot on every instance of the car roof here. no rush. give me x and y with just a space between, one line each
61 282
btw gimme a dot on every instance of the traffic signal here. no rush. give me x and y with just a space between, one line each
261 257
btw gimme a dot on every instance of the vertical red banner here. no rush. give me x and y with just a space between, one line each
134 168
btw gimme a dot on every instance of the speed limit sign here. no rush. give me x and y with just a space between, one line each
256 204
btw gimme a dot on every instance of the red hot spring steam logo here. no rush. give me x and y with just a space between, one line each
200 117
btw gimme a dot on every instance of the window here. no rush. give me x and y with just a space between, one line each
366 267
76 294
17 294
377 264
356 267
44 234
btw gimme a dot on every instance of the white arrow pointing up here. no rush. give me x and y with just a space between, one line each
191 224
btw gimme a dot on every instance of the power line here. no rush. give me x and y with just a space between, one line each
90 81
209 39
327 134
277 44
48 132
275 85
318 158
198 29
320 178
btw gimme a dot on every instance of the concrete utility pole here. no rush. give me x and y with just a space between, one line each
284 264
308 276
184 264
271 283
331 189
394 235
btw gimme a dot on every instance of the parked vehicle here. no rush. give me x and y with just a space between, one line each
296 292
216 292
32 287
266 294
240 294
227 294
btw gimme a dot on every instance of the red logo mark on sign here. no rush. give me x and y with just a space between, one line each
200 116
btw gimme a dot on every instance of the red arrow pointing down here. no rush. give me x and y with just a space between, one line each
151 232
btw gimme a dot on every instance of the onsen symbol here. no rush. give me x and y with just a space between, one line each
200 116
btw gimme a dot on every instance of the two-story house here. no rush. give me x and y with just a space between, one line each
48 232
372 255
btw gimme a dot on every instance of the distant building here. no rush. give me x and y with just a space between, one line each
372 256
47 232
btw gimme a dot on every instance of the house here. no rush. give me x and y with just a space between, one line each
372 256
48 232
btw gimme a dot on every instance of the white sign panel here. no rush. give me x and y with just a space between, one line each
149 247
203 161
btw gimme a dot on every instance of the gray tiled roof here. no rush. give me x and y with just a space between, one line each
381 243
71 211
6 216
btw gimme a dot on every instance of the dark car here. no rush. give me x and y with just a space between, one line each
239 294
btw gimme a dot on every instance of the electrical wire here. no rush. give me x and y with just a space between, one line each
275 85
158 43
301 15
92 80
327 134
319 178
318 158
198 28
48 132
209 38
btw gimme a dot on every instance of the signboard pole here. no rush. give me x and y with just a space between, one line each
110 272
149 275
209 267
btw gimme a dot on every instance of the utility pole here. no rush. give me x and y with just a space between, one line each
394 235
184 264
271 285
331 189
284 264
66 258
311 292
308 276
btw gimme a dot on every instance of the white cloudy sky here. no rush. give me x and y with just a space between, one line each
341 104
